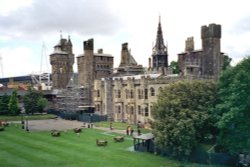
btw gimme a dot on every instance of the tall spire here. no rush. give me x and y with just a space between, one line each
160 51
159 47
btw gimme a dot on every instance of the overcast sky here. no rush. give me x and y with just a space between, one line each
26 24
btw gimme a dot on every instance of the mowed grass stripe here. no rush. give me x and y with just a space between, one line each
28 149
69 150
63 158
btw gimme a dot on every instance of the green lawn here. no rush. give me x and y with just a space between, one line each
19 148
120 126
29 117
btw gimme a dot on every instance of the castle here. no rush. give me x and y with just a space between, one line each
128 92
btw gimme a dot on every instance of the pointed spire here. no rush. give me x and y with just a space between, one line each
159 45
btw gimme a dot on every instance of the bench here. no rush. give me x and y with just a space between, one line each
101 142
118 139
55 133
77 130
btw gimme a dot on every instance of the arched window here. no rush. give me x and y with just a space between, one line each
152 91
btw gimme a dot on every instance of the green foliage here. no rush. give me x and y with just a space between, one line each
182 115
34 102
226 62
4 102
175 67
233 108
14 109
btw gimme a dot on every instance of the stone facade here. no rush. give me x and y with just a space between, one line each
62 60
128 65
208 61
92 65
129 98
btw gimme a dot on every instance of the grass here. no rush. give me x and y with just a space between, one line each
29 117
120 126
19 148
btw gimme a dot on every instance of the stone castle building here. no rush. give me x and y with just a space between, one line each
130 98
208 61
128 65
127 93
62 60
92 65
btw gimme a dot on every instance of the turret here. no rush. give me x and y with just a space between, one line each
189 44
212 61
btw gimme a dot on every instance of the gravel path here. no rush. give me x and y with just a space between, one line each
61 124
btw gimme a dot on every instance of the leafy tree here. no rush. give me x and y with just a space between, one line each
233 108
34 102
182 115
13 104
227 60
41 103
175 67
4 101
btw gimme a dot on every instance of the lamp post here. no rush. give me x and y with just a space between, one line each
22 121
27 127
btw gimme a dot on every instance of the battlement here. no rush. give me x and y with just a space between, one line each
189 44
89 44
211 31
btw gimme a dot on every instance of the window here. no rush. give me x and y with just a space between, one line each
152 91
139 110
131 94
146 94
98 93
98 107
146 112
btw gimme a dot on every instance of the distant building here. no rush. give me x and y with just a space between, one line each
62 60
92 65
208 61
128 65
130 98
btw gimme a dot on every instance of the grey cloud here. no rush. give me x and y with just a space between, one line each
92 17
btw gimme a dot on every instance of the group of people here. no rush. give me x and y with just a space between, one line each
130 131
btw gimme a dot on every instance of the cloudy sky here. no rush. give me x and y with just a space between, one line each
29 29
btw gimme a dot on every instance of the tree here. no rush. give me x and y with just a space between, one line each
226 62
182 115
233 108
34 101
4 102
13 107
175 67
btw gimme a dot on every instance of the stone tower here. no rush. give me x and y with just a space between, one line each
62 60
126 57
86 64
212 59
160 52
